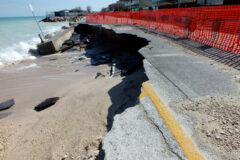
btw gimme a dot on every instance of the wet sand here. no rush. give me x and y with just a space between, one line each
73 127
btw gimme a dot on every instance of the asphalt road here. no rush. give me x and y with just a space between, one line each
176 74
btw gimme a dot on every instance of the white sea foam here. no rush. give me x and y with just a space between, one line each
1 64
33 65
19 51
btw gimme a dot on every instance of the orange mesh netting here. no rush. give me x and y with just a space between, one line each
217 26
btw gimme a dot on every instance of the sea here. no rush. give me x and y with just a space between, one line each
19 34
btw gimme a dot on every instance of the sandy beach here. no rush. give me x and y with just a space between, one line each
73 127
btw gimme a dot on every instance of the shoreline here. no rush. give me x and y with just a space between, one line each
15 48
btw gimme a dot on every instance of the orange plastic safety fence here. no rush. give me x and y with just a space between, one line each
217 26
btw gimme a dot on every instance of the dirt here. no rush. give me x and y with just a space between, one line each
217 123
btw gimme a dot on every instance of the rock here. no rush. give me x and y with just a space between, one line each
236 130
218 138
208 134
71 23
1 147
224 121
99 139
82 58
33 51
65 27
99 75
65 156
49 36
96 152
55 19
230 131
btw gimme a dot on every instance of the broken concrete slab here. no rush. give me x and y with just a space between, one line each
55 43
7 104
46 104
99 75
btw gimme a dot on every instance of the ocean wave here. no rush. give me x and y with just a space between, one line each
19 51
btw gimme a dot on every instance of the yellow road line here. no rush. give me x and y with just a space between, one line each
185 143
143 94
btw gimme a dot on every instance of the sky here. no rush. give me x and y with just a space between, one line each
13 8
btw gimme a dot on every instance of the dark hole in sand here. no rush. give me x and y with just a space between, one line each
46 104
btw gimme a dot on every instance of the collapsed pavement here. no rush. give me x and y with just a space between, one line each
106 47
175 73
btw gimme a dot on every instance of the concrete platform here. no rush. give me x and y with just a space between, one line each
55 43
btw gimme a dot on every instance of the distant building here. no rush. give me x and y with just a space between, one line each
62 13
70 13
50 14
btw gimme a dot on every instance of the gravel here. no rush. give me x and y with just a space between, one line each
218 122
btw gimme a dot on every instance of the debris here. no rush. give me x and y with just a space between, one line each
68 42
208 134
224 121
7 104
46 104
65 48
99 75
49 36
53 59
115 70
99 139
65 27
33 51
55 43
82 58
77 70
86 148
96 152
218 138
